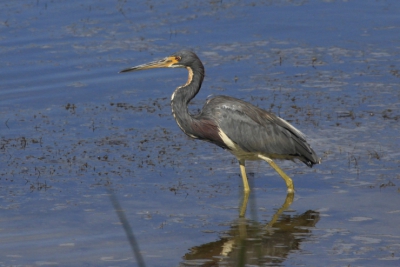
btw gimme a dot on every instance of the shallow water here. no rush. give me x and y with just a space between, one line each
71 127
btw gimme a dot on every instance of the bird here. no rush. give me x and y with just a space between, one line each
245 130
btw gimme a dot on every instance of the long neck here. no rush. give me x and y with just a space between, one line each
181 98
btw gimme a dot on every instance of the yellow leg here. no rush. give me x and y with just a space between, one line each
246 186
288 181
244 204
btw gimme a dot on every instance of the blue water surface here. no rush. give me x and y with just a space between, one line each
72 127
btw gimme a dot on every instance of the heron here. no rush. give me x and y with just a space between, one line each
245 130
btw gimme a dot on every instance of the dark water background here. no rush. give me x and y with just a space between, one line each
71 127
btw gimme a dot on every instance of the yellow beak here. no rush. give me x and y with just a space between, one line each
163 63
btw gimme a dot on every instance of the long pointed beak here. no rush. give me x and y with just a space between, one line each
163 63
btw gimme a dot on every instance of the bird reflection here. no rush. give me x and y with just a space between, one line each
249 242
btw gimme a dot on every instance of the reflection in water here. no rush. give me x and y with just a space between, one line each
250 242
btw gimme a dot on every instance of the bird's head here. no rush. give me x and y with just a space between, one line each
181 59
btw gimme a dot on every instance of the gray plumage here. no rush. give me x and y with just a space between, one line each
248 132
258 131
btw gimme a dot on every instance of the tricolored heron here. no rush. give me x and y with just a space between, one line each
247 131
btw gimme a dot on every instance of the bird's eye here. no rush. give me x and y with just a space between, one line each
177 58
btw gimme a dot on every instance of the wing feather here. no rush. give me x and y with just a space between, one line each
258 131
